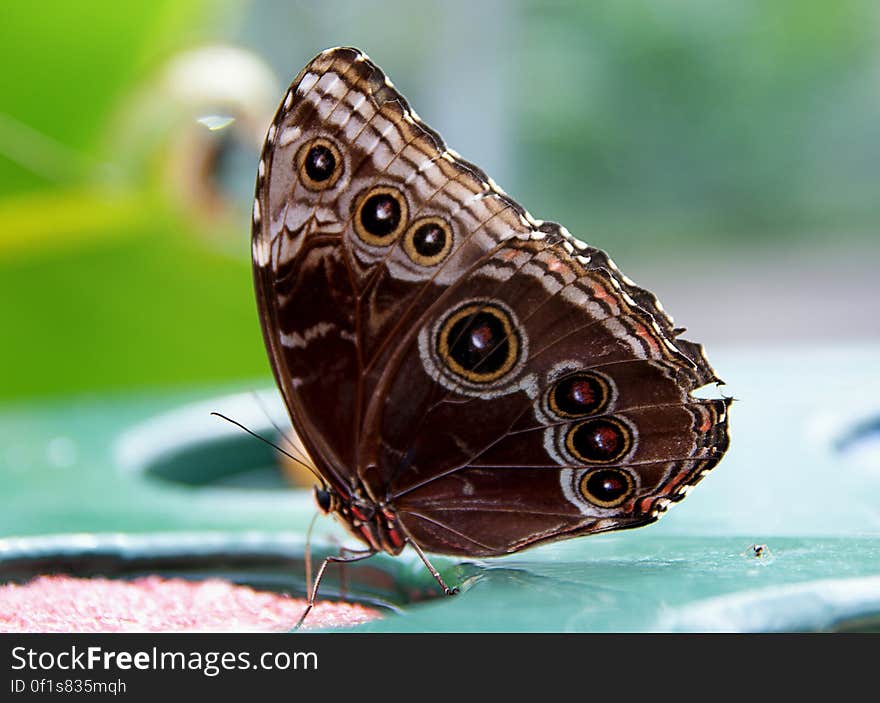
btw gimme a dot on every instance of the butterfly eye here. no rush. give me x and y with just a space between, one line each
607 488
320 164
478 342
428 241
325 500
601 440
380 216
582 393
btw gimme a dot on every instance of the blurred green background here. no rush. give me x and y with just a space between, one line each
726 154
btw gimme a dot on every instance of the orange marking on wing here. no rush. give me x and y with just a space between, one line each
645 334
707 421
602 294
557 265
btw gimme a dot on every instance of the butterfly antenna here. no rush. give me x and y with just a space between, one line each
308 553
273 445
280 432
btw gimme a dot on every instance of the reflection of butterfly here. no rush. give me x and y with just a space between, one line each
467 380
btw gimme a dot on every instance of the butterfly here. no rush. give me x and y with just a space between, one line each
467 380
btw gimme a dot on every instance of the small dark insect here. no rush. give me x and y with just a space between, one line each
759 550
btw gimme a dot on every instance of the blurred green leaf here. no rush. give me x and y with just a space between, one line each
66 66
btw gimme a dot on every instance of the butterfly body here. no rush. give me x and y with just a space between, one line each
368 521
467 379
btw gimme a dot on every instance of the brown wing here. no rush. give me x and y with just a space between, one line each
428 334
538 400
361 215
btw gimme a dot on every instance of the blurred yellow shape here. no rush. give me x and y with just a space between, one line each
48 221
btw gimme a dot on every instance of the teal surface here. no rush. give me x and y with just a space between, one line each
802 477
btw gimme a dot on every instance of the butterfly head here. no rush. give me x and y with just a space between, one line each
326 499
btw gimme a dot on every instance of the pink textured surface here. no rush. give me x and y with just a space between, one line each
154 604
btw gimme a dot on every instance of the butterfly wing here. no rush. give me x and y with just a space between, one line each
486 376
357 202
541 402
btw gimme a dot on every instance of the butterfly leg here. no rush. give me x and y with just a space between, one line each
343 572
340 559
436 574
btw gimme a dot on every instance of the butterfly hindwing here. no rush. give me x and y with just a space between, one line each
478 434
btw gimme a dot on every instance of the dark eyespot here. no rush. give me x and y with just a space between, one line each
607 488
380 216
602 440
320 164
324 499
428 241
479 342
581 393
